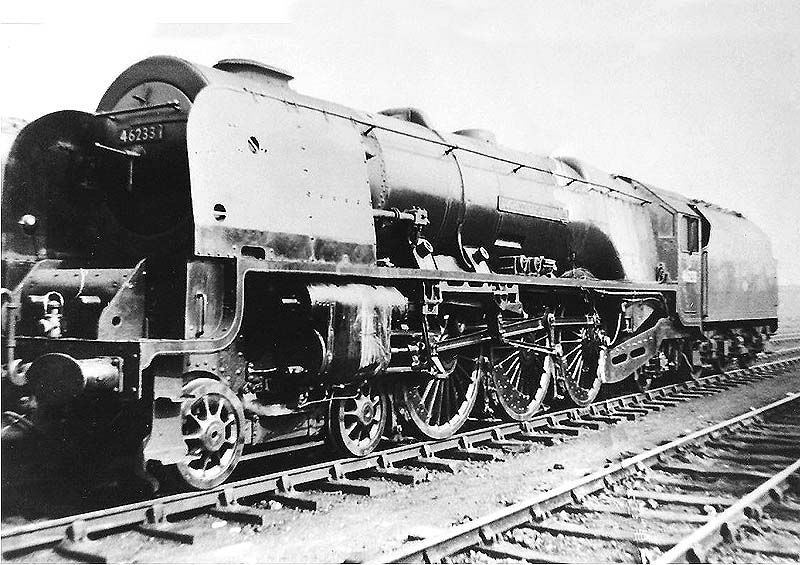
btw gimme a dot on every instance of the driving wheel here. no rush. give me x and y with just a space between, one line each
212 421
521 378
438 405
580 346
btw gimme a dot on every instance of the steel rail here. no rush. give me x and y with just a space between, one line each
795 336
694 547
485 529
30 536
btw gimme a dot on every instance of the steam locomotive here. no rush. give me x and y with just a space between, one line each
213 266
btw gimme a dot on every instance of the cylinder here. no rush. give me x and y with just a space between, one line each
59 378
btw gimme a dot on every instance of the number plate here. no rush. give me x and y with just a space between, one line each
142 134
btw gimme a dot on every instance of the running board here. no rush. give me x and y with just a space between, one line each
620 361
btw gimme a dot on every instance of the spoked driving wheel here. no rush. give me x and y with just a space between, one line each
438 405
355 425
580 345
521 377
212 427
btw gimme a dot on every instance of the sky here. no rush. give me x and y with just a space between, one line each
698 97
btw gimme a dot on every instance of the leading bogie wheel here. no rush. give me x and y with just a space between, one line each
356 425
212 426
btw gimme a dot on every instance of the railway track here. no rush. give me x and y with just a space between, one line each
727 493
160 517
787 337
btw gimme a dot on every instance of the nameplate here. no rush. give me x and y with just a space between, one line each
533 209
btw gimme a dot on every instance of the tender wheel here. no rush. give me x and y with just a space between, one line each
661 368
680 355
580 357
521 379
437 406
641 380
355 425
212 428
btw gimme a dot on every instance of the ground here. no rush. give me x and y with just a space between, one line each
359 527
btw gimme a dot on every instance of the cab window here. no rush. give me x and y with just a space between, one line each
690 234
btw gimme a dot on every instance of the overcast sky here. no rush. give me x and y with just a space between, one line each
698 97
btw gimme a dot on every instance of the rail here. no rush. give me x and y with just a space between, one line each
483 532
390 464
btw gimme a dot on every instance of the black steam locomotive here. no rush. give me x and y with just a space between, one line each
212 264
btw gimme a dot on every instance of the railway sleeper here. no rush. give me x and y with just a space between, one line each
763 448
788 422
509 445
345 486
544 438
716 473
638 537
240 513
167 531
721 386
785 511
581 423
791 526
785 431
630 416
681 499
630 411
84 551
741 380
660 515
563 430
687 395
402 476
702 485
469 454
653 406
505 550
291 499
434 463
767 549
757 459
603 418
763 438
788 430
77 545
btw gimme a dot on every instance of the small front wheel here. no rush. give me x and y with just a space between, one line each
355 425
212 426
